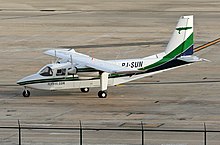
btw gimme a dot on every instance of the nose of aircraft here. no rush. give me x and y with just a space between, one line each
21 81
27 79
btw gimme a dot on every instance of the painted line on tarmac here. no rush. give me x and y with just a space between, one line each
166 83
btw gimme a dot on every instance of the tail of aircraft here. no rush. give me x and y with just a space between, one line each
181 42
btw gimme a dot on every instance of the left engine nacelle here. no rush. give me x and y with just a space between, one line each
72 71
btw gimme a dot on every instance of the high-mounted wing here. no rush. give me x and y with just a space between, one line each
85 60
61 65
103 65
60 53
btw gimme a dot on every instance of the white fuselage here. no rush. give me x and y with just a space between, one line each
90 79
76 70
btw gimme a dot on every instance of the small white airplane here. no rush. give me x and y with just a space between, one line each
76 70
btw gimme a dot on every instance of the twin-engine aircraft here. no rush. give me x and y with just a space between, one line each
76 70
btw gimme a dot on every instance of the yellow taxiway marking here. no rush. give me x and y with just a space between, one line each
206 45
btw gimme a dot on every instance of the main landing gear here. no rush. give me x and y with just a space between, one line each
103 84
102 94
26 93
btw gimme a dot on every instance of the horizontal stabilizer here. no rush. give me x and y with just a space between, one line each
191 58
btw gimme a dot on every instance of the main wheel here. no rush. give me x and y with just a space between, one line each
102 94
26 93
84 90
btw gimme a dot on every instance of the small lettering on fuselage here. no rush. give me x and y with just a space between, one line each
133 64
56 83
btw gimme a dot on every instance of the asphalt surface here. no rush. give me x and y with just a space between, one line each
184 98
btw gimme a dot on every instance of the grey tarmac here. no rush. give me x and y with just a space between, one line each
184 98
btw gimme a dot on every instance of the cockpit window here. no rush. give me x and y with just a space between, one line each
61 72
47 71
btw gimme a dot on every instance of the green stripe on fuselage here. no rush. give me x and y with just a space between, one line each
173 54
86 70
48 80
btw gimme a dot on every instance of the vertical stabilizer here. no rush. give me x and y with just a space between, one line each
181 42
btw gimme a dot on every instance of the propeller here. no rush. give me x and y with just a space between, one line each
73 69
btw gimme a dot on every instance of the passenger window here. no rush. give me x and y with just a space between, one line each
61 72
47 71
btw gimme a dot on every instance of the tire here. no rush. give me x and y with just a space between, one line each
26 93
84 90
102 94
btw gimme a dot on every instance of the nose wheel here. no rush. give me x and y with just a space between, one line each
26 93
84 90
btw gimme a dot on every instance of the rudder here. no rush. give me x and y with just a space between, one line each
181 42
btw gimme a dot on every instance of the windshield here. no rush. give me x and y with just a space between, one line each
47 71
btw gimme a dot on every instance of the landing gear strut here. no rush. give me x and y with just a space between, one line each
103 85
84 90
26 93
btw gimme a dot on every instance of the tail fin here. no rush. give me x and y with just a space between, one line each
181 42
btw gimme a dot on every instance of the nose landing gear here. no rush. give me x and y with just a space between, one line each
26 93
84 90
